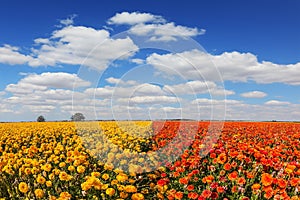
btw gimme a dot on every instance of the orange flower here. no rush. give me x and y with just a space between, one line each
234 189
282 183
222 158
220 189
178 195
255 186
233 175
294 181
193 195
184 180
266 179
206 193
227 167
190 187
241 181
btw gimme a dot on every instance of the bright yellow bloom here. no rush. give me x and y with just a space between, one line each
39 193
105 176
130 189
65 195
40 179
80 169
110 191
23 187
63 176
71 168
137 196
48 183
122 177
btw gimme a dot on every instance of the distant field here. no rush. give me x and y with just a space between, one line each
149 160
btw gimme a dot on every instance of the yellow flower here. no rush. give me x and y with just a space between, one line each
105 176
40 179
122 177
96 174
23 187
51 176
27 171
80 169
39 193
86 186
110 191
65 195
47 167
137 196
62 164
104 186
71 168
52 197
48 183
130 188
123 195
63 176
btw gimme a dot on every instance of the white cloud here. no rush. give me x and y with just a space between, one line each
134 18
254 94
198 87
11 55
153 26
138 61
80 45
276 103
69 21
150 100
165 32
233 66
40 82
117 81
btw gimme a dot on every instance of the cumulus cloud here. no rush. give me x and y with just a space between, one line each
46 80
134 18
254 94
165 32
228 66
11 55
80 45
154 26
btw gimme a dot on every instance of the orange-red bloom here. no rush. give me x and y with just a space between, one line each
266 179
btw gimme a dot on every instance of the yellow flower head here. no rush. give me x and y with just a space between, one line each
23 187
110 191
80 169
39 193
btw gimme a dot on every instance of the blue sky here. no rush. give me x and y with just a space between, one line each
140 60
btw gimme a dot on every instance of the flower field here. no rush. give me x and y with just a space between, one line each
149 160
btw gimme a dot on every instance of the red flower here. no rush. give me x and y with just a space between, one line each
162 182
220 189
206 193
193 195
178 195
184 180
233 175
241 181
227 166
190 187
282 183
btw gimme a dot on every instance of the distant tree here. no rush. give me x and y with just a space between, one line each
77 117
41 118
